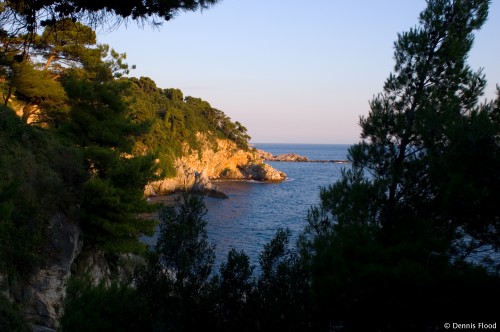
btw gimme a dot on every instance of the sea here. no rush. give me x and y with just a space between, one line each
249 218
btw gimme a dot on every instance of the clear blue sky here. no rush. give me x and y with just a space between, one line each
292 71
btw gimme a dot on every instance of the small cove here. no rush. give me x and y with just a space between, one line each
249 218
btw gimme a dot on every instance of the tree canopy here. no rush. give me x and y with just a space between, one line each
408 224
127 131
29 15
396 239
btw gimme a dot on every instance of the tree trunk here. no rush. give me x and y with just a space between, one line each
49 61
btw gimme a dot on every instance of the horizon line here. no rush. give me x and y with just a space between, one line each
297 143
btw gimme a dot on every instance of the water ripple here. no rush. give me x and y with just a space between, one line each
254 211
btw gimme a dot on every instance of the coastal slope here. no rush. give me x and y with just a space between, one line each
222 160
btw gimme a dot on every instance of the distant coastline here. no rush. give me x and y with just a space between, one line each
282 152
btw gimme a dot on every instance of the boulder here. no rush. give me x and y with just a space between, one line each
262 172
203 185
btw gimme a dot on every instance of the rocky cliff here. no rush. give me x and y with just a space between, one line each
219 160
40 295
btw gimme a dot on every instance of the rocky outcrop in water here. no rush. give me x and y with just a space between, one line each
196 169
290 157
260 171
202 184
294 157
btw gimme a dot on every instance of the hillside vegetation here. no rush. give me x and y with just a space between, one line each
406 240
85 141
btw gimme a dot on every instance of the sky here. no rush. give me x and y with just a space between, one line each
291 71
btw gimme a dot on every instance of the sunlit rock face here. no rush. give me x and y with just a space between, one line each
220 160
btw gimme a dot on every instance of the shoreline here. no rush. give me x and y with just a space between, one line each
335 161
296 158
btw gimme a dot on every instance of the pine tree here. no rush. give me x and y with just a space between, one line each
390 235
99 124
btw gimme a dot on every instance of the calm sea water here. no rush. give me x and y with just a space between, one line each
254 210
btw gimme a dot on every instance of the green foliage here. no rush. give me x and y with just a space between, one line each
281 298
220 123
389 241
175 121
183 245
95 147
232 290
412 122
127 132
176 279
233 299
65 43
45 98
113 197
28 15
10 317
110 219
77 94
101 308
40 177
177 284
391 238
426 119
470 201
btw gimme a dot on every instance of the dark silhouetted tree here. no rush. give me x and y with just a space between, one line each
176 279
391 238
233 288
281 299
28 16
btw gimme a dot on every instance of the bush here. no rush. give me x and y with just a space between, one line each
100 308
10 317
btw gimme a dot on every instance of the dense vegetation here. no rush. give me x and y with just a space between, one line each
405 232
393 246
40 178
175 120
86 142
398 244
178 291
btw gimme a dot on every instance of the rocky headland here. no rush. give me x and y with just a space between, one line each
223 160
